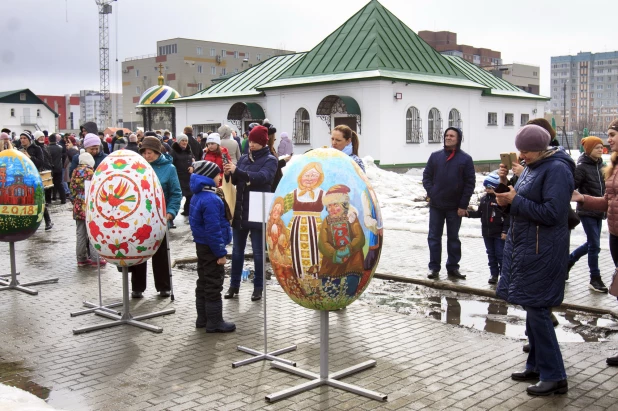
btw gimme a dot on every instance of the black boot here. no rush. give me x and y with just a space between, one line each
201 312
214 315
257 294
231 292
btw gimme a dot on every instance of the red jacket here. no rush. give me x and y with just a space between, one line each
217 158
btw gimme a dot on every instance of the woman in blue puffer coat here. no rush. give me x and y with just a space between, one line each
254 172
537 251
166 172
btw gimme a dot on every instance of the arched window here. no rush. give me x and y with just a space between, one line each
302 127
434 126
414 129
454 119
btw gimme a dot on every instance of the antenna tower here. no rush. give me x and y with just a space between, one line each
105 9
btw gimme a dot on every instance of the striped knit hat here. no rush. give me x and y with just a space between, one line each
206 168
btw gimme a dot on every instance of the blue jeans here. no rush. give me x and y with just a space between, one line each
592 246
495 248
437 218
238 256
544 357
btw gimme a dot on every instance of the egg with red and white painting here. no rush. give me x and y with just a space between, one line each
125 209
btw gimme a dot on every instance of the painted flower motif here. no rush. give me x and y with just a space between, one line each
101 168
139 167
115 223
143 233
95 232
119 164
145 184
115 248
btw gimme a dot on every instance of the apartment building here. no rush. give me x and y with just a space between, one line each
445 42
584 89
188 66
90 108
524 76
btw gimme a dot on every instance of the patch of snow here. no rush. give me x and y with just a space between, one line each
15 399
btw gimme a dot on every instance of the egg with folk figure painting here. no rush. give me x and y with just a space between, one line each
22 196
125 209
324 230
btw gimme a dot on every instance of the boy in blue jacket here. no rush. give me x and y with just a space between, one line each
494 226
211 233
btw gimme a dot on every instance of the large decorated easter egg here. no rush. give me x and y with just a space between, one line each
125 213
22 197
324 231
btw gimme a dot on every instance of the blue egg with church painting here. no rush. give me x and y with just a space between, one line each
324 231
22 196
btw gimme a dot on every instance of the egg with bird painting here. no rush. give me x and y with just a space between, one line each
125 212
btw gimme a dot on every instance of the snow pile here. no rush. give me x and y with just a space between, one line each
14 399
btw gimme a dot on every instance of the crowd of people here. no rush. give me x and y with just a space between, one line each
526 220
526 223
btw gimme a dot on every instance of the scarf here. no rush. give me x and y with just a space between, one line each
348 149
451 155
303 192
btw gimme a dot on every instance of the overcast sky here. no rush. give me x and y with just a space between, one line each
41 50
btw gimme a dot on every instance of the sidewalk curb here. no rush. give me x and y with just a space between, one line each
485 293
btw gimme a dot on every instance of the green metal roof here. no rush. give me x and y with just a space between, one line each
372 39
246 82
495 86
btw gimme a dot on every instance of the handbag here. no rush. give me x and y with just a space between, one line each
613 288
229 191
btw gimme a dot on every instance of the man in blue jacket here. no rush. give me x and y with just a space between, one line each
449 181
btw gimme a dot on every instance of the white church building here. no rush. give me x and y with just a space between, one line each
377 76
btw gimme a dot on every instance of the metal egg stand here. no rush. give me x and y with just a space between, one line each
13 283
317 380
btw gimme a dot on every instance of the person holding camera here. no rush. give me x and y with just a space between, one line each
216 153
536 252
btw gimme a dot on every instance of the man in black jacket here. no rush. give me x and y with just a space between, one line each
196 148
55 152
449 181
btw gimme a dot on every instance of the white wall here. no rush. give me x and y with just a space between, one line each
46 121
383 118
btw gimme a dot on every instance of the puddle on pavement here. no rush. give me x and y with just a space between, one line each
483 313
14 374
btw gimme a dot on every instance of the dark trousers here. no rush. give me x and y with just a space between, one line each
544 356
238 256
613 248
187 204
46 216
210 275
58 188
495 249
437 218
160 270
592 246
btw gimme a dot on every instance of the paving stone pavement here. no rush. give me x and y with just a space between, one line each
422 363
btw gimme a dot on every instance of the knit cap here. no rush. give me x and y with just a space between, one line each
492 180
4 136
27 134
91 140
590 143
86 158
206 168
213 138
38 134
132 138
532 138
182 137
259 135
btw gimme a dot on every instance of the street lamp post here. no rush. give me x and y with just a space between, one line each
131 114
